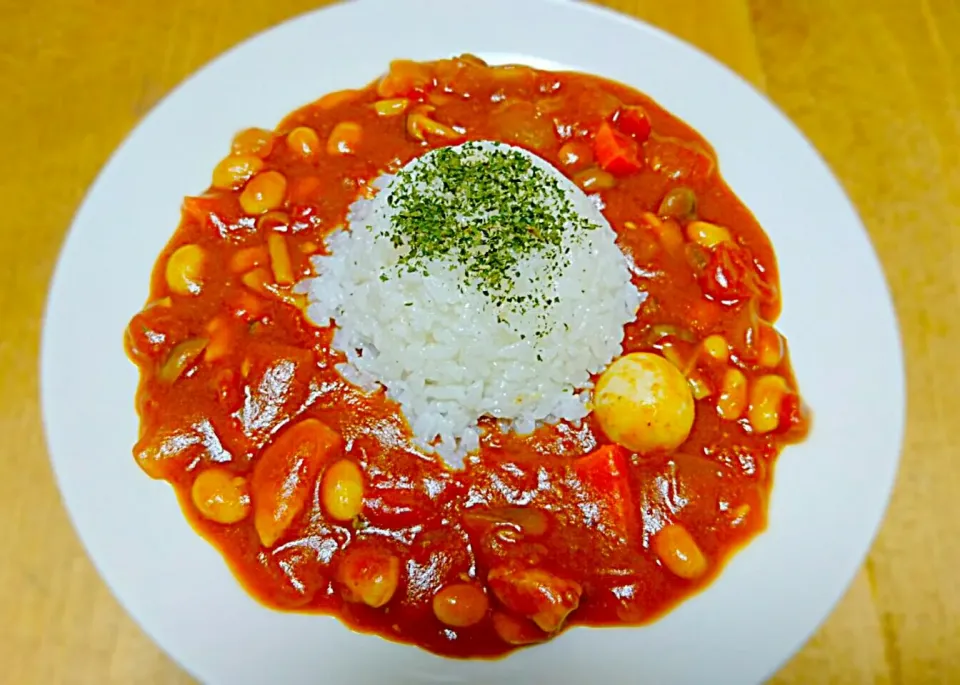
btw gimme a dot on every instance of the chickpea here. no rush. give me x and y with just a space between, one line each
184 271
771 347
593 180
516 631
733 395
670 236
344 138
369 575
422 127
679 552
440 99
716 347
264 192
341 491
460 605
644 403
392 107
253 141
304 141
220 496
707 235
575 154
766 396
235 170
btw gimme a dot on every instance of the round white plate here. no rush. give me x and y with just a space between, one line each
830 491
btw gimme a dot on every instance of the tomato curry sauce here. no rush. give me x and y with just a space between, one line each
312 489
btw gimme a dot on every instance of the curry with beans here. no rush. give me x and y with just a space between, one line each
312 488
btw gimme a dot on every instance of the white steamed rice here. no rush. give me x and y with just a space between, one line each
440 350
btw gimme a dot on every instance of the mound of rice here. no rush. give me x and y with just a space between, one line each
448 354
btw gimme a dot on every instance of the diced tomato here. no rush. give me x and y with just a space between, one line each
152 333
603 467
304 189
215 211
244 304
680 160
793 416
525 521
458 75
223 336
169 445
545 598
278 383
299 574
228 385
731 274
633 120
369 574
519 123
603 481
704 315
304 216
615 152
389 506
198 207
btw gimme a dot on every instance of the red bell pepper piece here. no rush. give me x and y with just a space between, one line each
732 275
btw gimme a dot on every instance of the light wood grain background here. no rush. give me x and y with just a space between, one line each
873 83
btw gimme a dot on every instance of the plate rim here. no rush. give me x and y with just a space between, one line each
56 284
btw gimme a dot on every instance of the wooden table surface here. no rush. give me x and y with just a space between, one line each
873 83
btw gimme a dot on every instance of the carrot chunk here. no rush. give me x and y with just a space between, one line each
615 152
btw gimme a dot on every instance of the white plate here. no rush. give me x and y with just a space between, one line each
830 491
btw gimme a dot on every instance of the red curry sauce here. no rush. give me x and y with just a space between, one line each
536 533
